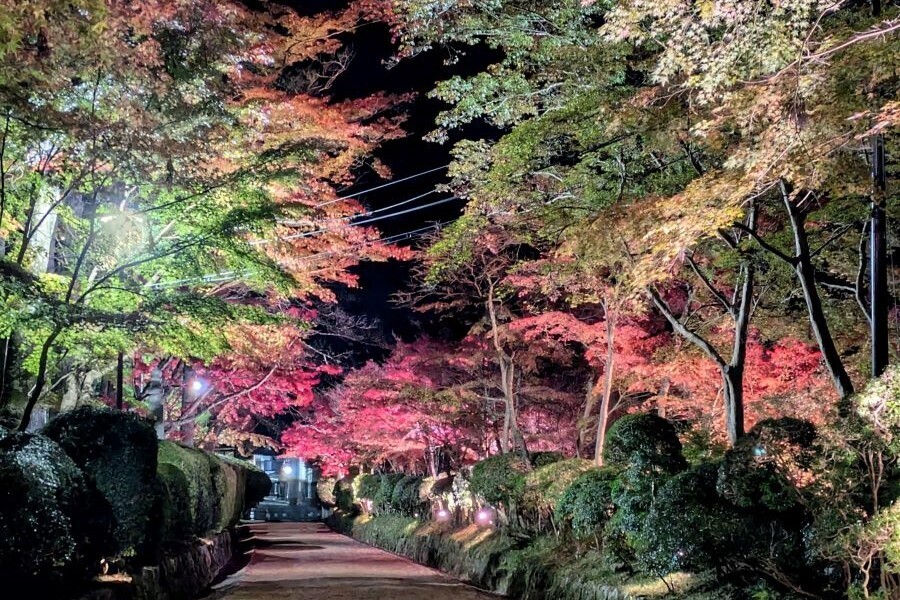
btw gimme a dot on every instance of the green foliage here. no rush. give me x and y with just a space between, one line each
646 440
117 453
176 505
54 526
586 505
405 498
699 446
385 493
546 484
757 473
343 495
204 505
855 516
541 459
368 486
258 486
689 527
500 479
647 451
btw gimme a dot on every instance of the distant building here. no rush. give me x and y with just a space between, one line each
293 496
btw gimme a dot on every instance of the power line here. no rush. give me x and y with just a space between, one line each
305 234
382 186
231 275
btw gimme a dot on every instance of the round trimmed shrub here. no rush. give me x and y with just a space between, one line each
646 439
116 451
762 470
325 490
54 527
689 527
586 505
257 487
500 479
343 495
647 451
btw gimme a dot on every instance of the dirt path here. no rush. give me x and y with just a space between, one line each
310 562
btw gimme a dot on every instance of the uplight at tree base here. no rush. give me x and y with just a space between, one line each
485 517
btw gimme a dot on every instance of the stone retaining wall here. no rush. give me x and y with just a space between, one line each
182 576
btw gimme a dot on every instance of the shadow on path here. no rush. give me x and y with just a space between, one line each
308 561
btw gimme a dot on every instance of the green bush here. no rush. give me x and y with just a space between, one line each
546 484
117 453
257 487
405 498
541 459
53 525
758 472
195 465
325 490
177 522
385 493
500 479
646 439
586 505
368 485
647 451
343 495
689 527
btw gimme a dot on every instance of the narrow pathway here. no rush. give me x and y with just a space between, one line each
310 562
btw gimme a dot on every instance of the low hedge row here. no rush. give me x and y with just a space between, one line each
647 511
98 484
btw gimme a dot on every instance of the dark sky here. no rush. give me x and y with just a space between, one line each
368 74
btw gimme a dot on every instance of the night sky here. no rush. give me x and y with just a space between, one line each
369 74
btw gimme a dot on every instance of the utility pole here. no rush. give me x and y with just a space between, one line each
878 292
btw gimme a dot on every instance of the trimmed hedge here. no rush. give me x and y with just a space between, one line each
689 527
546 484
343 495
587 505
53 526
405 496
214 489
385 493
368 486
647 439
100 485
500 479
116 451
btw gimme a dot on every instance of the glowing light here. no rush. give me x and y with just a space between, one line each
196 385
485 516
443 515
287 470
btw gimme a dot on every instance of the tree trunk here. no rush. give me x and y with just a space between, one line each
878 287
187 427
5 349
120 384
733 388
154 396
41 379
806 274
608 377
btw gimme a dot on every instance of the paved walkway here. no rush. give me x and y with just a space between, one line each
294 561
